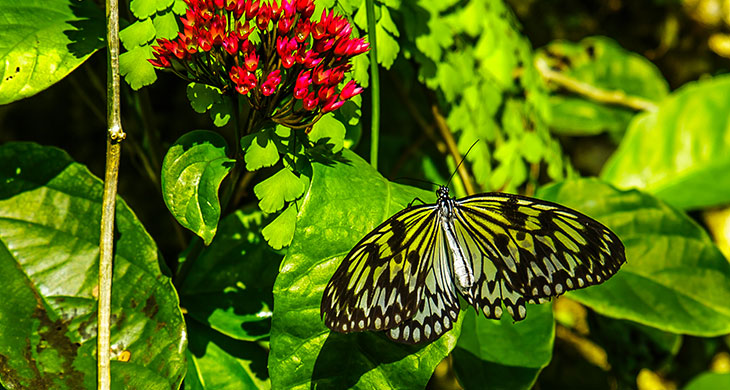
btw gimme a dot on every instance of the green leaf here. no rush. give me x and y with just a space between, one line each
43 41
709 381
203 96
50 212
388 47
138 33
192 172
280 231
283 186
343 203
166 24
143 9
489 352
675 279
385 30
473 53
221 111
219 362
135 68
229 286
330 130
681 153
260 150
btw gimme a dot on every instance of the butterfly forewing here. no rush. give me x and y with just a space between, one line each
542 249
380 283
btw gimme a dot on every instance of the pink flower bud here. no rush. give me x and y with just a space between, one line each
321 75
305 8
304 80
342 46
358 46
351 89
310 102
299 93
332 104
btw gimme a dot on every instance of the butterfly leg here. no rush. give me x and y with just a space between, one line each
414 201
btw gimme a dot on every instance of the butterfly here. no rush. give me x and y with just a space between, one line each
494 249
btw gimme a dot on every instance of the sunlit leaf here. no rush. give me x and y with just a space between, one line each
192 172
43 41
681 153
50 211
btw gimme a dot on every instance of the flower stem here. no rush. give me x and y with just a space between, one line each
106 242
374 85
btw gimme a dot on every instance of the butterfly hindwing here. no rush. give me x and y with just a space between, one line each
490 288
438 306
384 280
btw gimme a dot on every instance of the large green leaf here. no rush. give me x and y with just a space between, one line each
43 41
50 210
675 279
192 172
503 354
680 153
343 203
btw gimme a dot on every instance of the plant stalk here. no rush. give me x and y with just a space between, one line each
115 135
592 92
374 85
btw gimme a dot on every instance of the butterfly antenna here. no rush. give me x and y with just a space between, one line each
461 162
416 180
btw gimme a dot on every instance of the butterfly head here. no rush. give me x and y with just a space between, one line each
442 192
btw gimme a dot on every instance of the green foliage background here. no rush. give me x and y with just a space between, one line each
617 109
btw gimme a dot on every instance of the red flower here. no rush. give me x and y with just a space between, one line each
310 102
272 81
230 43
301 32
252 9
263 17
251 60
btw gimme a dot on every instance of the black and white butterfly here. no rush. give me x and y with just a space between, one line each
493 249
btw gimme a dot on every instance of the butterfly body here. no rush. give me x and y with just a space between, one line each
493 249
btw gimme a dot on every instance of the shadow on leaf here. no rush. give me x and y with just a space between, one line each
88 32
361 352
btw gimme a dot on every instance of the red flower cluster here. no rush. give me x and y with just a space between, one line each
294 69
